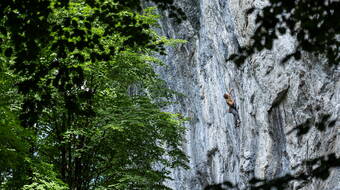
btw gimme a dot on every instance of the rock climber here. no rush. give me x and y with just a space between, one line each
232 107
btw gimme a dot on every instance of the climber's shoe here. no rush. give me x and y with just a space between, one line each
238 123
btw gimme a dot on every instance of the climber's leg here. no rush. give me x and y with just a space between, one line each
236 116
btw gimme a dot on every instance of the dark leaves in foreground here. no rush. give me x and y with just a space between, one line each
321 170
315 25
324 122
322 166
224 185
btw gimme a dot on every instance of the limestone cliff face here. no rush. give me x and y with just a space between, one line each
272 98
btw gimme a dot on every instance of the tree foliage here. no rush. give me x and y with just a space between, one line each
314 24
81 103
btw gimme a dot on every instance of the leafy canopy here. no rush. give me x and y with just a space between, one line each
80 76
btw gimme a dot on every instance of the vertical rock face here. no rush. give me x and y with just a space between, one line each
272 98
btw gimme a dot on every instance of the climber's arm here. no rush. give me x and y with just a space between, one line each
230 90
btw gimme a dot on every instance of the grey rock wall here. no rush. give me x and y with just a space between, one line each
272 99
